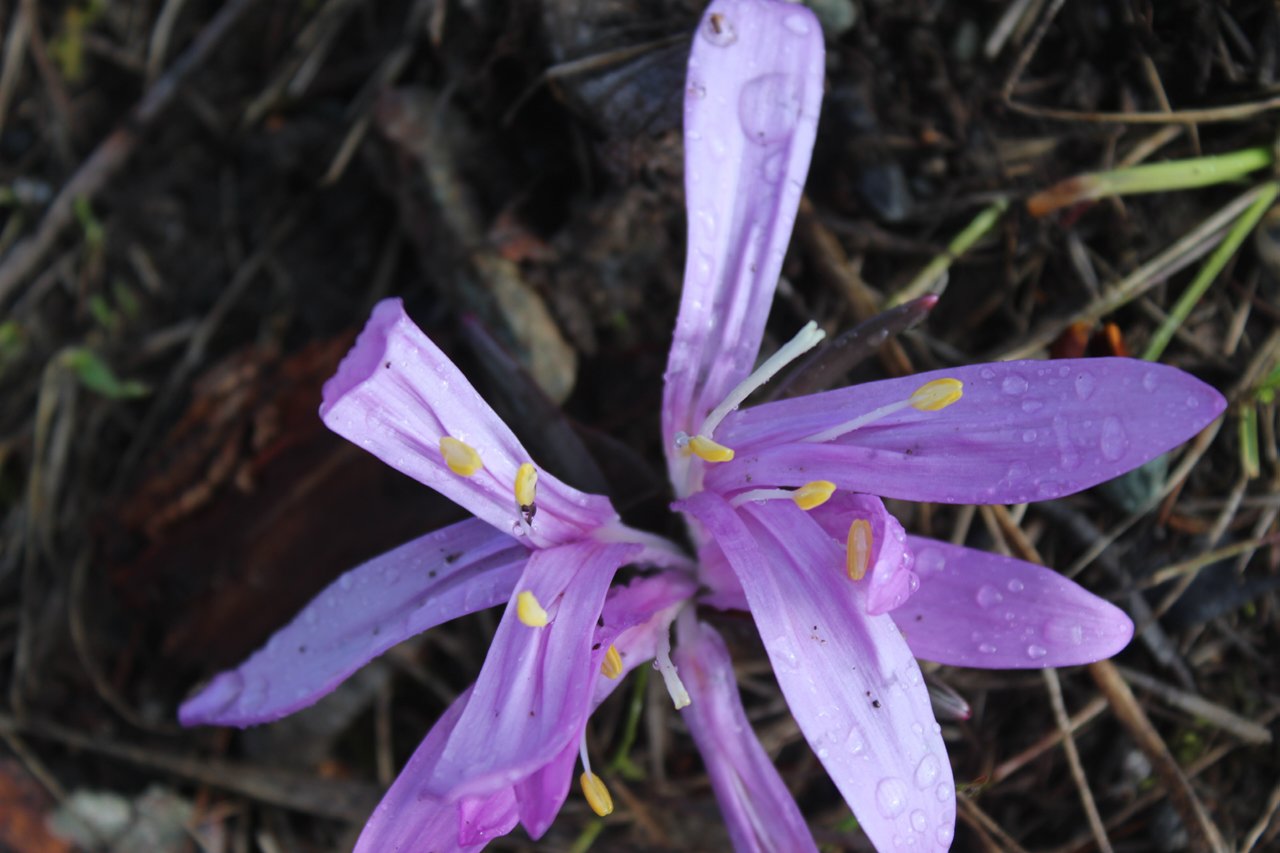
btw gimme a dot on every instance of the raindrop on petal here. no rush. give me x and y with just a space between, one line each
891 796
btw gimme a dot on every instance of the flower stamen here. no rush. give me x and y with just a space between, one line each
807 497
670 675
529 611
806 339
611 666
858 549
526 489
593 787
461 457
929 397
708 450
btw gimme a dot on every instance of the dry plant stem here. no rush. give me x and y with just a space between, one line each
114 151
343 799
1208 558
1198 448
1077 721
1204 832
1054 688
1196 243
833 269
1268 815
973 815
1242 728
15 48
161 34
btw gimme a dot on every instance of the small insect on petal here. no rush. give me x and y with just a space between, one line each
708 450
936 395
858 553
529 611
611 666
815 494
461 457
593 788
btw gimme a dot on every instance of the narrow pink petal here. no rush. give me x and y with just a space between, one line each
890 580
849 678
454 571
396 395
1023 431
759 811
983 610
407 821
533 694
752 99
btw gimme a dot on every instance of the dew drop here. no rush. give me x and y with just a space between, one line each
927 771
784 652
1067 455
1031 406
769 107
944 834
930 561
987 373
718 30
1085 384
1193 402
345 581
987 649
696 92
1149 381
1114 439
1028 436
1036 652
988 596
854 741
918 821
943 792
1015 585
771 168
1014 385
823 753
798 24
309 616
891 796
1063 630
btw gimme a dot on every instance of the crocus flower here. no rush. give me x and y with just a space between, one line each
547 550
782 497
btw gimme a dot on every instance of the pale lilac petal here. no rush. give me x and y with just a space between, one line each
533 693
1023 431
759 811
407 821
634 616
849 678
890 580
983 610
460 569
752 99
396 395
723 590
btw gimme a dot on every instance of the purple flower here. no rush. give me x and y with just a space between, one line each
547 550
780 497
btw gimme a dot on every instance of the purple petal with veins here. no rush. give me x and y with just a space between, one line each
460 569
396 395
752 98
1022 431
992 612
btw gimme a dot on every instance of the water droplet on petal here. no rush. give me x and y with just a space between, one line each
1063 630
345 581
943 792
918 821
854 741
1193 402
1013 385
1028 436
1036 652
1030 406
798 24
944 834
987 649
930 561
988 596
891 796
784 652
1015 585
1149 381
771 169
769 107
696 92
1085 383
1115 441
927 771
987 373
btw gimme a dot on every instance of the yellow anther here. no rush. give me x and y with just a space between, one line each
858 554
597 794
526 484
814 494
529 611
708 450
461 457
611 666
938 394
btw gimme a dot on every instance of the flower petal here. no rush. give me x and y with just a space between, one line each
759 811
1023 431
533 694
889 579
454 571
752 99
406 816
397 395
992 612
849 678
